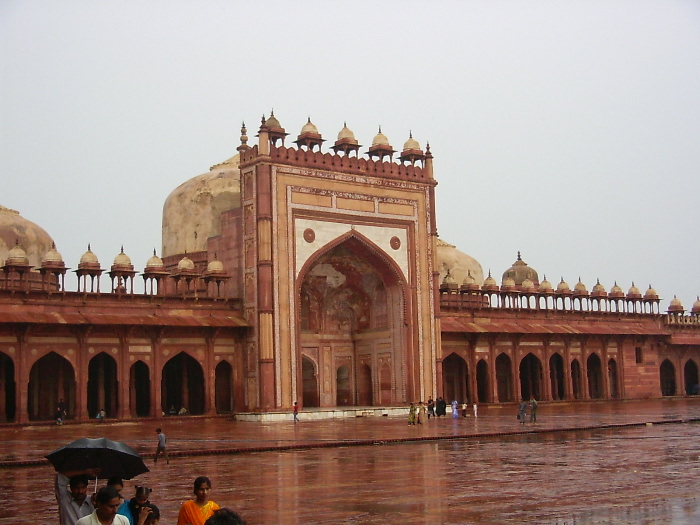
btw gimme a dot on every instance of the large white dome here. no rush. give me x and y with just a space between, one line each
15 229
191 213
460 264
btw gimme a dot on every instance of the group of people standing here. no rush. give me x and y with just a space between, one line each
436 408
522 410
107 507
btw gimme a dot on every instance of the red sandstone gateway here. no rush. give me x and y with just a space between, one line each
289 273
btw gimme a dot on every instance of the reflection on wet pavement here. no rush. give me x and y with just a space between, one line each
631 474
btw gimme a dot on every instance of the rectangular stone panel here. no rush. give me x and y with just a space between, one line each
355 204
312 199
396 209
142 349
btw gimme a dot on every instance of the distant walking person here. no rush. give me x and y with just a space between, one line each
522 410
533 410
431 407
160 449
474 407
296 412
455 410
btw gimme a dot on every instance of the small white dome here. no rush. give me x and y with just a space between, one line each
89 257
185 263
309 127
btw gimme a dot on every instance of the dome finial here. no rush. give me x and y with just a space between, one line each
519 258
244 134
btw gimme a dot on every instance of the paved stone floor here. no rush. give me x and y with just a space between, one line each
635 462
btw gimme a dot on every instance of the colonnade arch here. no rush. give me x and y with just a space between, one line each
667 374
139 390
690 378
51 379
223 388
594 374
530 374
310 397
576 380
455 379
504 378
182 385
613 379
556 376
364 386
482 381
7 388
102 385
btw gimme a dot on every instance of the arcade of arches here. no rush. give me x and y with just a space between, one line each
530 377
52 380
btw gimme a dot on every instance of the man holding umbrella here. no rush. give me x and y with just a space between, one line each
97 458
71 495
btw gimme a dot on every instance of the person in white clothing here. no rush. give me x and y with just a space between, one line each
107 503
71 495
475 408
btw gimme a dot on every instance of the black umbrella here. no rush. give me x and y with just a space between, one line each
111 458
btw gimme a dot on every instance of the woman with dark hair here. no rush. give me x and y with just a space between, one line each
132 508
196 511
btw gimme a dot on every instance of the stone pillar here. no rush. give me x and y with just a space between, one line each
265 292
123 383
81 379
156 373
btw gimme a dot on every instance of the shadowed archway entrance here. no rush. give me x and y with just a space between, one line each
482 381
576 389
351 319
102 385
310 382
530 377
504 378
183 385
7 388
455 373
51 379
223 388
612 379
595 377
139 390
556 376
667 373
690 378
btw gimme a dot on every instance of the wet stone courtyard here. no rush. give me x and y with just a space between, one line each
612 462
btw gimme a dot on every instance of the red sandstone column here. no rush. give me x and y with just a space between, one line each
568 380
22 379
585 394
265 275
156 372
210 378
81 379
123 386
547 379
492 373
604 371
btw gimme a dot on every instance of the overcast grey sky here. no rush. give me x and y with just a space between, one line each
568 130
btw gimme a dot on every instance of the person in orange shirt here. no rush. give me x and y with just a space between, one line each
196 511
